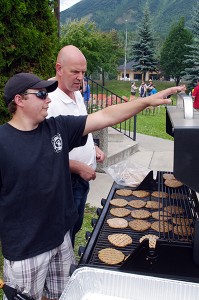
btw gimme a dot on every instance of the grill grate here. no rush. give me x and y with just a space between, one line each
181 197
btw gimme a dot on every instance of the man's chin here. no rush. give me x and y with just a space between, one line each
76 87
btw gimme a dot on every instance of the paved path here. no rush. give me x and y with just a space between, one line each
154 153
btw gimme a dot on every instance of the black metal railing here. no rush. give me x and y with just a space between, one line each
101 97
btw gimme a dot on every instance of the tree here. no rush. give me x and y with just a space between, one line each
101 49
192 59
112 51
84 35
28 31
172 60
143 50
56 7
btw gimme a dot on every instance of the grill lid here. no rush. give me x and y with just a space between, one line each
185 130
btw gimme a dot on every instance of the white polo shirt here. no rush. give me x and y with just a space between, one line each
62 104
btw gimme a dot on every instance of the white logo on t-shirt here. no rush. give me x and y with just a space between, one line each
57 142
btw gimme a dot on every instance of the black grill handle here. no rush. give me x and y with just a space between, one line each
88 235
103 202
73 267
81 251
93 222
99 211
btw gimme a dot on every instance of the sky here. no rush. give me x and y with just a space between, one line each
64 4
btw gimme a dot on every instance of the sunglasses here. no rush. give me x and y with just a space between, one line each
40 94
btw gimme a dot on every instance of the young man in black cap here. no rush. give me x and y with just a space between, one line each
36 207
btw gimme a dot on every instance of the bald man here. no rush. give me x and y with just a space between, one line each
71 66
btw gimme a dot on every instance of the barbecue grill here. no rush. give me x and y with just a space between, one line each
175 256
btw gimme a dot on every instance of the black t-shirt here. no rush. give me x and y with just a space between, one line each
36 203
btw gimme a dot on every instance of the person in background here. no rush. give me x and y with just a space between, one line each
37 210
191 92
142 89
81 86
86 92
133 88
153 91
149 87
67 100
195 95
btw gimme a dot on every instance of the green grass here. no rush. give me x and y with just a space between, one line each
153 124
149 124
123 88
80 240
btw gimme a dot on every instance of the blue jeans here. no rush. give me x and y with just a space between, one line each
80 189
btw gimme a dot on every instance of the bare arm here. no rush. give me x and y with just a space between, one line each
83 170
115 114
100 155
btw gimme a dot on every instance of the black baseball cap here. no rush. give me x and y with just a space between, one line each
20 82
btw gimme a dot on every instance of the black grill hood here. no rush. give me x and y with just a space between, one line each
182 123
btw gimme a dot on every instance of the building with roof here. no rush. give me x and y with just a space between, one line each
134 75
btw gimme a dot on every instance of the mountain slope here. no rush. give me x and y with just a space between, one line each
109 14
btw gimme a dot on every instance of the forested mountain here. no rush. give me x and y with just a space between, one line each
109 14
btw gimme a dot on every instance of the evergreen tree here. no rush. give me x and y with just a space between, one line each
174 50
143 50
28 31
192 71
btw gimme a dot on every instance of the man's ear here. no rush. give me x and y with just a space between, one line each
18 100
58 69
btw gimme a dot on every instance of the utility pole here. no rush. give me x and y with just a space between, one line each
125 49
57 15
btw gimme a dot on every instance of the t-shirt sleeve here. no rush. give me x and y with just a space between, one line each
73 128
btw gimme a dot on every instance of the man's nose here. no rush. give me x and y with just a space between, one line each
80 75
47 100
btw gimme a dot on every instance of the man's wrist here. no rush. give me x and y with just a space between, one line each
145 101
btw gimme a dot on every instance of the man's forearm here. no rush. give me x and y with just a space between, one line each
75 166
118 113
83 170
